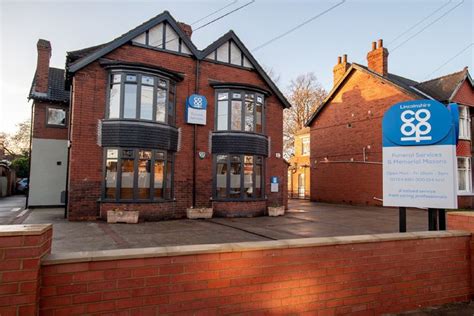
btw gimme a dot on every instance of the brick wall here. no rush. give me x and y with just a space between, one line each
239 209
40 129
368 275
364 274
88 107
21 248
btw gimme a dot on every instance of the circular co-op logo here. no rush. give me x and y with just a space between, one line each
415 132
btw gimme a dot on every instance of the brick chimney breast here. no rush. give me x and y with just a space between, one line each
377 58
42 66
340 69
186 28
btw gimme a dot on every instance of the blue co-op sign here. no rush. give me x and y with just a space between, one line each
196 106
419 154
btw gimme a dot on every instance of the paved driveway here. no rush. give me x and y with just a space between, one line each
304 219
12 209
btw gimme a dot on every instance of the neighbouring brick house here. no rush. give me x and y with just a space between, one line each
49 139
346 129
130 147
299 169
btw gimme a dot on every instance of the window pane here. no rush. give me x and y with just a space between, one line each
222 96
56 116
132 78
112 153
144 174
146 109
158 189
169 175
249 105
160 105
236 115
305 146
462 186
130 101
171 105
126 191
235 171
258 118
222 115
116 78
236 95
221 176
148 80
248 176
258 181
114 101
110 178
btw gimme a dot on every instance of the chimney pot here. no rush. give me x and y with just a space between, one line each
338 60
377 58
344 58
380 43
374 45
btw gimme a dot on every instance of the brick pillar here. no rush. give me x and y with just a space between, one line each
42 67
21 249
464 221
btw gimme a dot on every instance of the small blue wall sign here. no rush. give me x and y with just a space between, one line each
196 109
274 184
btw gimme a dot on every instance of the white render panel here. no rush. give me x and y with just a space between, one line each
141 39
185 49
47 178
235 54
172 39
223 52
155 36
247 63
211 56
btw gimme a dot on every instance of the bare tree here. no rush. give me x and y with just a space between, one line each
19 142
305 94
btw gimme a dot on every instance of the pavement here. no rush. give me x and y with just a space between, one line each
303 219
12 209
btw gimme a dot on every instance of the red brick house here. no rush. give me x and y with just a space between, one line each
346 129
130 146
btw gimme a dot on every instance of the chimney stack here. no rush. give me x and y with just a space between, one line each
341 67
42 66
377 58
186 28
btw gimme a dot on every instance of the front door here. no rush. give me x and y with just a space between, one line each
301 188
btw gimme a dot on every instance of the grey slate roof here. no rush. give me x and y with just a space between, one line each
56 87
443 88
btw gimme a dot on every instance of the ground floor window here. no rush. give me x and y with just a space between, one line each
138 174
238 176
464 174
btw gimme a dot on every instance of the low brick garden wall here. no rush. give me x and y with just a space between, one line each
369 274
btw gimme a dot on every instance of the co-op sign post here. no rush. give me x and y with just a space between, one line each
419 158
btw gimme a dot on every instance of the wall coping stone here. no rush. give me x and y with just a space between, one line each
20 230
461 213
133 253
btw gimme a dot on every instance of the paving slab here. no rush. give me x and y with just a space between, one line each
303 220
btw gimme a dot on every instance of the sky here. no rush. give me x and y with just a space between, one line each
348 29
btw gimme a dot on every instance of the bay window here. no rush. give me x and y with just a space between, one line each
238 176
128 174
239 110
464 175
464 123
141 96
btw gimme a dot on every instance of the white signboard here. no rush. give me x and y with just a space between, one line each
419 155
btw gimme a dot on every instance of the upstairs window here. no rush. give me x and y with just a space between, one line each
239 110
464 123
56 117
141 96
464 175
305 146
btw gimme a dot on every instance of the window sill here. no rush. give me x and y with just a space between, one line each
464 138
135 201
237 200
465 193
238 132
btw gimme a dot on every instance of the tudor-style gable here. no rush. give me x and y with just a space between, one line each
229 53
163 36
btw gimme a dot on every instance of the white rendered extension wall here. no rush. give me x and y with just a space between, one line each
48 172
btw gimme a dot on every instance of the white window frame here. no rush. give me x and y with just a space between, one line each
464 123
467 175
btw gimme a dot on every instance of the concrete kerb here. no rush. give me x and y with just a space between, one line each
119 254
